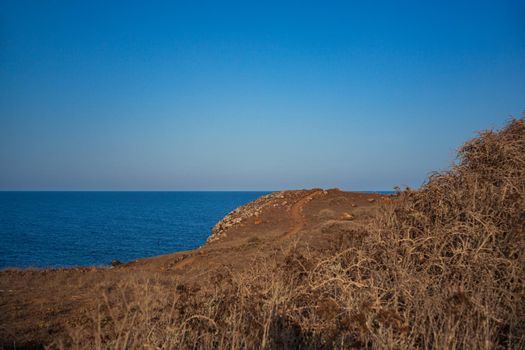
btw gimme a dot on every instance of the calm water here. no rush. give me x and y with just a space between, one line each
57 229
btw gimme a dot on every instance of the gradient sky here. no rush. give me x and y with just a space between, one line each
360 95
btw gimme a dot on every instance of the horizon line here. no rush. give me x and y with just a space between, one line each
206 190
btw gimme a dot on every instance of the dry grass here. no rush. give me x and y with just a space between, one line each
441 267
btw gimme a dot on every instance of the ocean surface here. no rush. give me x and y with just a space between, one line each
61 229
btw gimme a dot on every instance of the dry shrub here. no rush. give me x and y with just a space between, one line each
440 267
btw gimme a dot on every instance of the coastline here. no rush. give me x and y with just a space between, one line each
38 302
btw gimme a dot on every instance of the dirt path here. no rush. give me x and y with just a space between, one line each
296 213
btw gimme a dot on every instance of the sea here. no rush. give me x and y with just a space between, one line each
66 229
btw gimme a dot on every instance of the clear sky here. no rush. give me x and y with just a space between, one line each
250 95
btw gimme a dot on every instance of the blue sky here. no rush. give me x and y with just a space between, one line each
360 95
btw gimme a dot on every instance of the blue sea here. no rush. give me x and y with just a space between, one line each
63 229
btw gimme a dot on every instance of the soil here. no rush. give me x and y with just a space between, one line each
38 305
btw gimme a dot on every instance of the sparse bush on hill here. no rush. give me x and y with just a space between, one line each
442 267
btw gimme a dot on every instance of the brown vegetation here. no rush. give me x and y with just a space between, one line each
440 267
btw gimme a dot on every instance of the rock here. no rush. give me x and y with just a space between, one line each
371 200
116 263
241 214
347 216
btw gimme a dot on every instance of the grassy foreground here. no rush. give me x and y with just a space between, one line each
442 267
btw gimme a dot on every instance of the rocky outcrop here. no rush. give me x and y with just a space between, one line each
252 209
